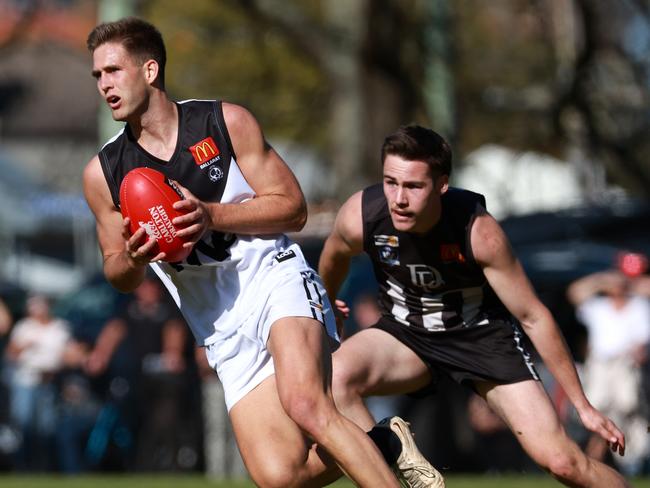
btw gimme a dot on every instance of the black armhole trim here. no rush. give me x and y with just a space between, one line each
478 210
112 185
373 210
217 108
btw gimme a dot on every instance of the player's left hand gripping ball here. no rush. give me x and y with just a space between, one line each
147 198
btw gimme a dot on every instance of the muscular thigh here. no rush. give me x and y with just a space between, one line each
301 355
269 441
377 363
529 413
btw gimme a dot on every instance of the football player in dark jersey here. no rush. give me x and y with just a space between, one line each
453 297
290 398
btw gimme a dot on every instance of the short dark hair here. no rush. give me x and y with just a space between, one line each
141 39
417 143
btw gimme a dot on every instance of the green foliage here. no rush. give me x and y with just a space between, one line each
547 76
217 49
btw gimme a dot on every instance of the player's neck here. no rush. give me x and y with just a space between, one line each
156 129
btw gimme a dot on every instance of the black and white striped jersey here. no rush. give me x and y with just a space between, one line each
429 280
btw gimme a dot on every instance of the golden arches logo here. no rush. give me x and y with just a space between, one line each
204 150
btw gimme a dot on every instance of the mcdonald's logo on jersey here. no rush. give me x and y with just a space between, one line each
204 150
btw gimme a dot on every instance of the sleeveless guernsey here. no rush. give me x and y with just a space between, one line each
217 285
430 281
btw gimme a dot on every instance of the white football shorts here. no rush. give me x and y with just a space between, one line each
242 359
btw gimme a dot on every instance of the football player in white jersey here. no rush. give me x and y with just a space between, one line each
283 415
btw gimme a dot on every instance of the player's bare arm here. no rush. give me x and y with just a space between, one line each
279 205
125 255
345 241
505 274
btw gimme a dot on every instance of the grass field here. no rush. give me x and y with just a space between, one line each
123 481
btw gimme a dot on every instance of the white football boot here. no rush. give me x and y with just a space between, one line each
412 469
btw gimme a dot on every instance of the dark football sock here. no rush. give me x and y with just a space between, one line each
387 442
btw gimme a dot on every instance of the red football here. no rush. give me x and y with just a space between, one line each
147 198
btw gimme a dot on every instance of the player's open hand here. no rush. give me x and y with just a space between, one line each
596 422
196 219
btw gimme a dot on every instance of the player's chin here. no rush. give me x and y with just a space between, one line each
119 114
403 223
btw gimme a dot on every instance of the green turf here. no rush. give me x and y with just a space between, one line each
128 481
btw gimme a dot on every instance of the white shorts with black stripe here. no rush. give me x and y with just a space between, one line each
242 360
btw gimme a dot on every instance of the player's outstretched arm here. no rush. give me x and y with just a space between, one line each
125 256
505 274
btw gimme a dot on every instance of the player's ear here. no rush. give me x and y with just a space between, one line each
151 70
442 183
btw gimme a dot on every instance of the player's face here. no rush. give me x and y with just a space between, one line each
412 194
120 79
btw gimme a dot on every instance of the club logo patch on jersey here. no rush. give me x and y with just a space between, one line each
205 152
450 253
215 173
388 248
425 276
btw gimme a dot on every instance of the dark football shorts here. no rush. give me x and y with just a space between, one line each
493 352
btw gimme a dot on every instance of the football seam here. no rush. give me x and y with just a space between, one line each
162 193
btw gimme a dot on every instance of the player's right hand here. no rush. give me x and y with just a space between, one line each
596 422
139 250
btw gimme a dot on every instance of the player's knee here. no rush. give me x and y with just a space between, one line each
345 386
565 466
272 474
342 385
307 411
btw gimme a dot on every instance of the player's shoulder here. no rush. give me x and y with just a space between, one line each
349 217
92 170
487 238
463 197
352 206
237 117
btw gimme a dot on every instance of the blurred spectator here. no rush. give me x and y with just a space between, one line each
222 458
165 384
5 319
90 387
147 399
8 435
35 354
614 307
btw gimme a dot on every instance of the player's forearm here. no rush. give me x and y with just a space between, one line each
266 214
122 273
551 346
333 268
